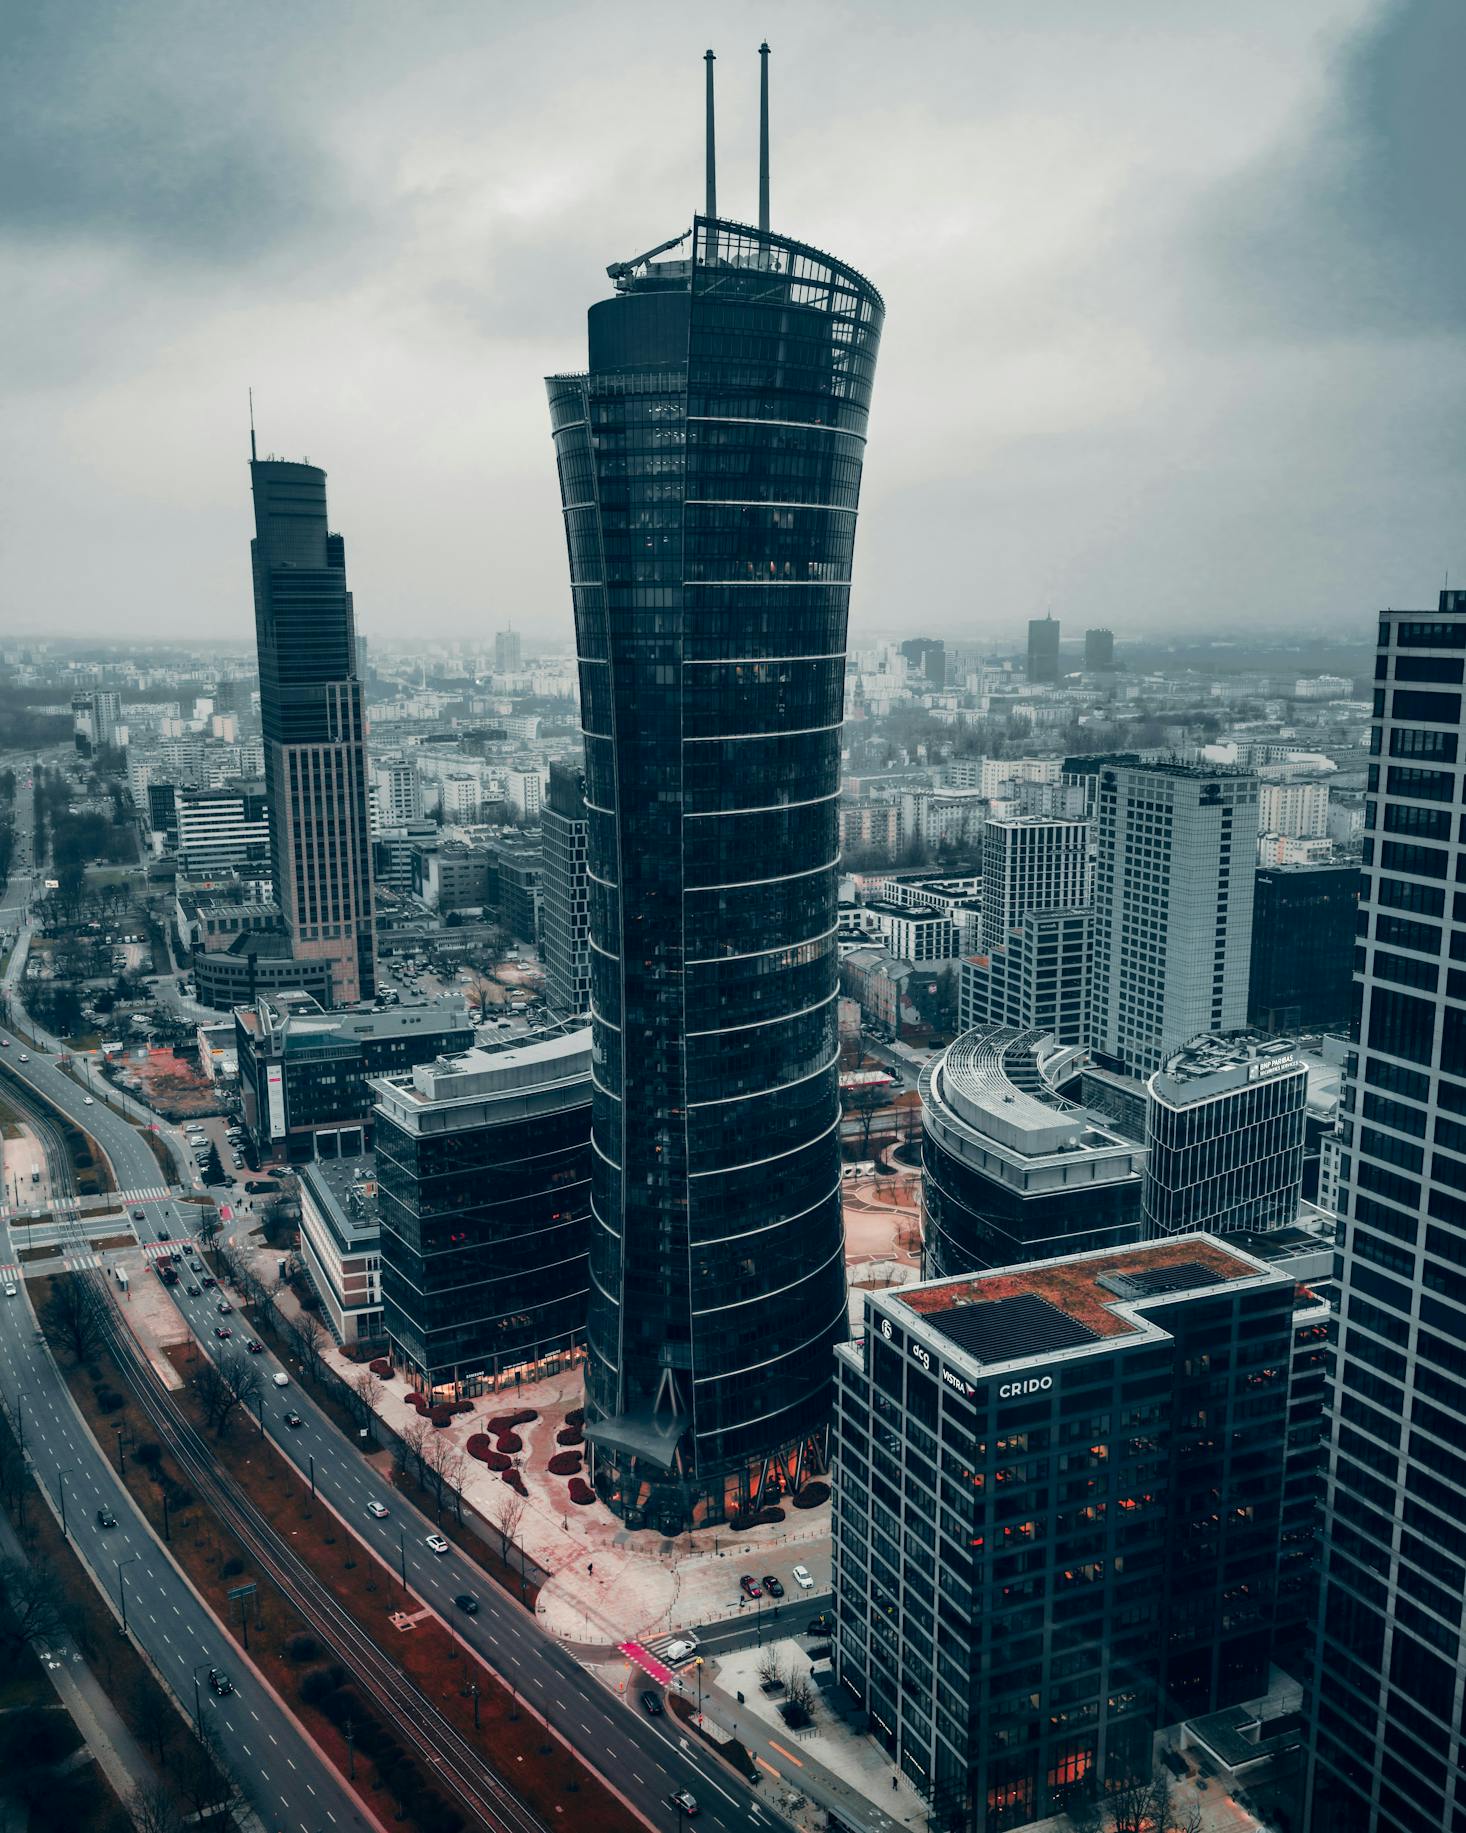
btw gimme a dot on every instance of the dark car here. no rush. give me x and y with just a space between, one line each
224 1307
208 1282
294 1419
105 1518
822 1625
220 1683
254 1348
651 1704
222 1331
773 1587
163 1235
138 1216
467 1603
749 1587
192 1291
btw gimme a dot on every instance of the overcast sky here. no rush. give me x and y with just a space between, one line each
1174 292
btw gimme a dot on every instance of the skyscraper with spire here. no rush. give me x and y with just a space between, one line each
710 460
314 726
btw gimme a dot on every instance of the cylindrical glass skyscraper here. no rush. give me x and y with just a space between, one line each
710 465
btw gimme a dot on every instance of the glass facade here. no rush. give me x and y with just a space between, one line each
1389 1730
1224 1161
1011 1171
483 1173
1041 1556
314 727
710 466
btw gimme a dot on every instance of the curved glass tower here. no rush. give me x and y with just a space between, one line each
710 466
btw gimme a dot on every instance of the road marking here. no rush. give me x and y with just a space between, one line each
773 1745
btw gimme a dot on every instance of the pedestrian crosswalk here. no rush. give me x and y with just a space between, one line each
72 1206
72 1263
164 1250
150 1193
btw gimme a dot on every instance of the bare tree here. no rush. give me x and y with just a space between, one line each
231 1382
154 1718
74 1316
368 1389
447 1463
152 1807
769 1671
209 1227
1187 1818
506 1512
203 1779
1142 1806
308 1338
416 1434
33 1608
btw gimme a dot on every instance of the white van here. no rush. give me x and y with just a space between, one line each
282 1379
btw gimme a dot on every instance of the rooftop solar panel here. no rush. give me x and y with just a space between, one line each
1000 1329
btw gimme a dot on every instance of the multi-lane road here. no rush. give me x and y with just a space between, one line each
646 1759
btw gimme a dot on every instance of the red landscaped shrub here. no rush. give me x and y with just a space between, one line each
769 1517
462 1406
510 1441
477 1445
515 1482
572 1435
506 1422
575 1417
812 1495
496 1460
581 1491
383 1368
440 1415
564 1464
416 1401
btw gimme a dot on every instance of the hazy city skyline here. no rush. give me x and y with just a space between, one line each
1175 303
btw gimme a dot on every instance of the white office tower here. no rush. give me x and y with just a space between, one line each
1175 856
1031 864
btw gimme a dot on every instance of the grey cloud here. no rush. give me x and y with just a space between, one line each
1358 224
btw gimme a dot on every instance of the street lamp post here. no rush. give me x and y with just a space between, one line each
402 1555
61 1476
198 1704
122 1588
313 1476
121 1454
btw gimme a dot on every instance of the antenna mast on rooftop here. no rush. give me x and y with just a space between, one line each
763 137
252 452
710 209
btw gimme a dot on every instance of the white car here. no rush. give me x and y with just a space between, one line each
679 1651
437 1543
87 1101
376 1510
802 1578
10 1291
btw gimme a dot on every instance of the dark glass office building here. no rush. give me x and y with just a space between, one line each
710 463
483 1174
313 726
1388 1747
1058 1503
1010 1170
1303 948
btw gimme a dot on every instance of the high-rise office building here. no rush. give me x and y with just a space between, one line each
483 1167
928 654
1038 980
710 460
1031 864
1387 1749
399 792
508 653
1224 1128
314 729
1172 908
1043 649
1301 977
564 894
223 830
1010 1170
1099 651
1057 1516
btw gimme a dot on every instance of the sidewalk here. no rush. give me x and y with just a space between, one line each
117 1752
